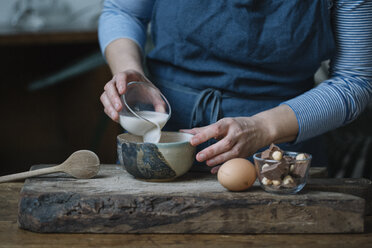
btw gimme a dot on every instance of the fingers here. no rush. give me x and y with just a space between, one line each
112 95
156 98
159 105
123 79
215 169
219 152
203 134
114 89
225 156
191 131
120 80
132 75
110 98
160 108
108 108
233 140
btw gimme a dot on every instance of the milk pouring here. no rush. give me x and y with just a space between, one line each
139 115
149 127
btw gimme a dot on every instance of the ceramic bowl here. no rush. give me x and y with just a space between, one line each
172 157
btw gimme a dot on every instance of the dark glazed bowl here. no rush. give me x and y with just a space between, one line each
172 157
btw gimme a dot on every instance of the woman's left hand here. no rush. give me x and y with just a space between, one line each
237 137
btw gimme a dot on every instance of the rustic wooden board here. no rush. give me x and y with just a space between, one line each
115 202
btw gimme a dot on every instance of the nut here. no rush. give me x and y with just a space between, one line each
277 155
288 180
276 182
301 156
291 168
266 181
265 166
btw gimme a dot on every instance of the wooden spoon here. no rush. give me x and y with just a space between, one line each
81 164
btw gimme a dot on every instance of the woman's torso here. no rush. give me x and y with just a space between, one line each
268 48
227 58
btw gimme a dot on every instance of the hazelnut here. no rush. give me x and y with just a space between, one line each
276 182
265 166
288 180
277 155
301 156
266 181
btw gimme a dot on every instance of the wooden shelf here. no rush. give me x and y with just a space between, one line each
18 37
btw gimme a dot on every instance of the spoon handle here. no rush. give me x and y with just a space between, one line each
27 174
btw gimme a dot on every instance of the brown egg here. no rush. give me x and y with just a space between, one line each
237 174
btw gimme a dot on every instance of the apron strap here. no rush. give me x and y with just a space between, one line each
205 97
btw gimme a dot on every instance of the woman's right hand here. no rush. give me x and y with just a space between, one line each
113 89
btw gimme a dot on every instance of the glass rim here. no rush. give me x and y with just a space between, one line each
153 87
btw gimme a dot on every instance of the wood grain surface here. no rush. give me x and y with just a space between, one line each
115 202
12 236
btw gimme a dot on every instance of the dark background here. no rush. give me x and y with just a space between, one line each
47 125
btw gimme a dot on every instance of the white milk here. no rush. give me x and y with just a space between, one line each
153 135
151 131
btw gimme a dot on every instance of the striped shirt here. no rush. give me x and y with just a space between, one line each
333 103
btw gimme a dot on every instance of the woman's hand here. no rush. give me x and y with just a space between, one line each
243 136
238 137
110 98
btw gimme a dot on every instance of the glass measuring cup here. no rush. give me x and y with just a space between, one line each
145 111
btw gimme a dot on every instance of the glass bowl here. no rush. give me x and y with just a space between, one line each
145 110
286 176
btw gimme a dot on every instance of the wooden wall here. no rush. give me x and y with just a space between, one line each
47 125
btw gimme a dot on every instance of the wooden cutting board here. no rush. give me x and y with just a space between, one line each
115 202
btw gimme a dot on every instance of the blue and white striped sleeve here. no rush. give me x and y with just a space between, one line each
124 19
339 100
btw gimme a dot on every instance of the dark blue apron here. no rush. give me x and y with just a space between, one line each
228 58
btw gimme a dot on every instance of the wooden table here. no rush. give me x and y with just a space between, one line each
12 236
